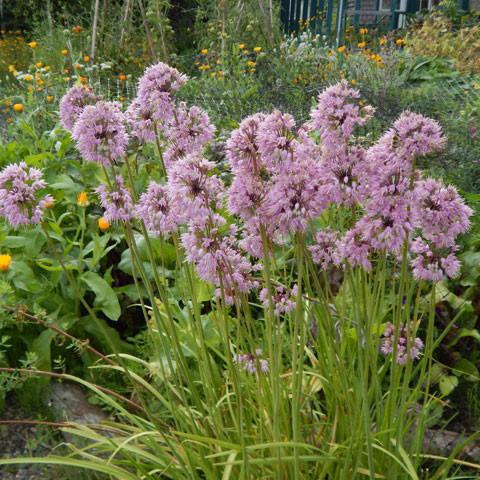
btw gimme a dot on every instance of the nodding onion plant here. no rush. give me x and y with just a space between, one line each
295 339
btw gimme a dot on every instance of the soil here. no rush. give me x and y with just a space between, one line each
25 440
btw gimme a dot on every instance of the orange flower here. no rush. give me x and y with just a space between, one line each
39 64
82 199
341 48
18 107
122 77
5 261
86 58
103 224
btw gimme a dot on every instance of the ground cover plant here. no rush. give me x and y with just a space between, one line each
289 292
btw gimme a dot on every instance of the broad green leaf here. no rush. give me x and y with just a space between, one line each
22 277
105 297
467 368
447 384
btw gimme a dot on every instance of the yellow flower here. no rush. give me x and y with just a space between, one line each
86 58
28 78
39 64
204 51
251 64
363 31
241 46
47 68
82 199
12 69
257 49
400 42
8 102
103 224
341 48
383 40
362 44
33 44
203 68
64 52
50 98
353 81
18 107
5 261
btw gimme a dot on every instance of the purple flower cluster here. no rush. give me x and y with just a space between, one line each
325 250
189 130
154 209
116 201
73 103
252 363
338 112
407 346
140 121
100 133
155 89
283 300
20 200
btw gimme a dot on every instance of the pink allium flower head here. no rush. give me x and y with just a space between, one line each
73 103
252 241
245 195
219 262
242 146
276 139
295 197
252 363
406 347
415 135
440 212
140 121
100 133
283 300
155 89
154 210
324 252
431 263
188 132
344 176
20 201
117 202
337 114
193 189
354 249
